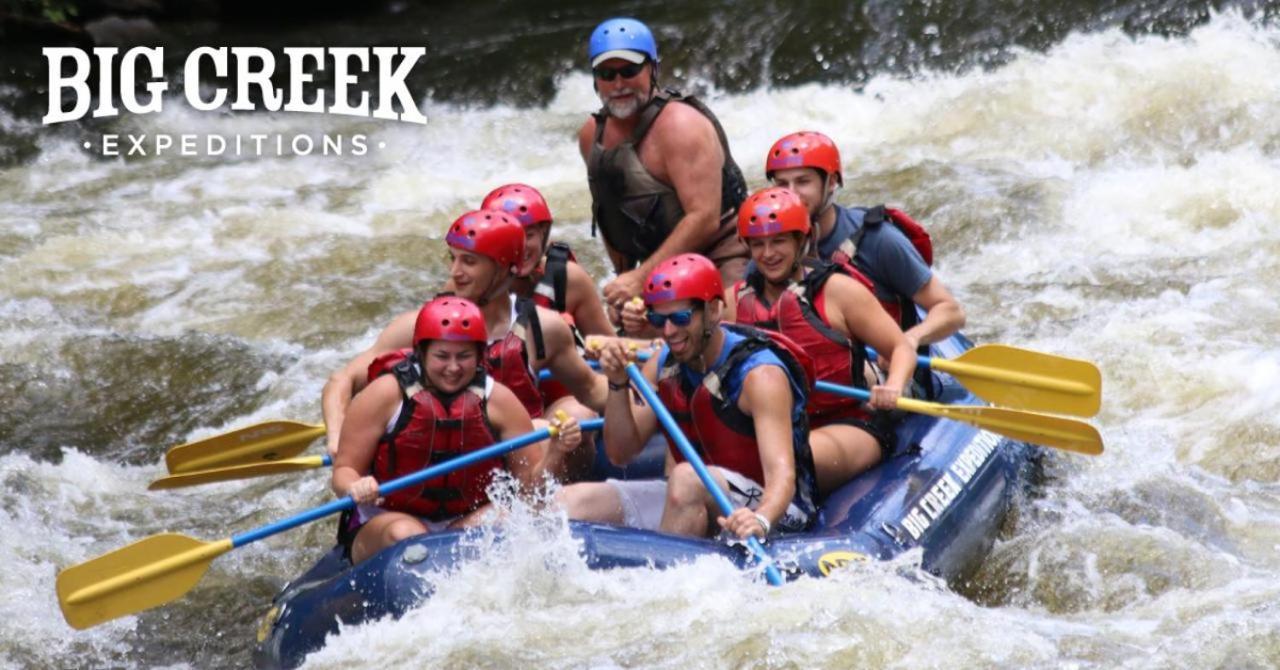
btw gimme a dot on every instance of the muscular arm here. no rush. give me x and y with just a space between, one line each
347 381
584 302
691 158
766 396
627 426
567 365
943 316
366 422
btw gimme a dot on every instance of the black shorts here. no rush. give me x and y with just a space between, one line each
879 426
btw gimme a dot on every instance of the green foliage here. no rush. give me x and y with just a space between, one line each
57 11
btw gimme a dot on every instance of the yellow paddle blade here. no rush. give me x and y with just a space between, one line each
1033 380
269 441
140 576
235 472
1049 431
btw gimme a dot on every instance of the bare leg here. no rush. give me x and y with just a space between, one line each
690 509
381 532
840 453
591 501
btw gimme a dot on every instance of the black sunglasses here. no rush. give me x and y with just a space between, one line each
610 73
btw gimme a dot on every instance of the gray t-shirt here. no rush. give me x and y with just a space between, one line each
884 254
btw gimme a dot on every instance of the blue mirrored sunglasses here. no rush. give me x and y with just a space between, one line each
678 319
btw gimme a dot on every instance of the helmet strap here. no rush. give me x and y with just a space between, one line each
490 291
828 196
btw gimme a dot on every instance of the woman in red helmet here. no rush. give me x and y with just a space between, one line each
829 311
434 405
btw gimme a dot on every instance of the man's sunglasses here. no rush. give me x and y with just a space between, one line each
610 73
678 319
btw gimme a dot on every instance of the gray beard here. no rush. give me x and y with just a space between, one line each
625 109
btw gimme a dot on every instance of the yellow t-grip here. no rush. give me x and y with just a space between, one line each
556 423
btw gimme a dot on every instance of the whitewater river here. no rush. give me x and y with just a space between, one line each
1113 196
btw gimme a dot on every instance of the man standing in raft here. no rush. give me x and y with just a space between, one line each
662 179
737 394
893 251
487 247
434 405
830 312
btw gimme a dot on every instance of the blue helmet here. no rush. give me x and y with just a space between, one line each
621 38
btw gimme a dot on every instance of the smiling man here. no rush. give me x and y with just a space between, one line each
738 395
662 179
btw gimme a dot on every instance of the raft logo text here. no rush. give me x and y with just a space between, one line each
70 69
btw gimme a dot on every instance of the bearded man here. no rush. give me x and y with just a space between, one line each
662 179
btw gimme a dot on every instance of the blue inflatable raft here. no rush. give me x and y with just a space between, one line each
946 490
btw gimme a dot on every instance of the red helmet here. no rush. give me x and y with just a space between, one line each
520 201
489 233
450 318
683 277
771 211
806 148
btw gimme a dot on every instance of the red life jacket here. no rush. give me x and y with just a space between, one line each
506 360
903 309
432 429
800 314
721 432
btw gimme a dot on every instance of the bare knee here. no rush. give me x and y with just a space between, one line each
593 501
684 488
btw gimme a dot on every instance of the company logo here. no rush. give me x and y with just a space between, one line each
834 560
239 79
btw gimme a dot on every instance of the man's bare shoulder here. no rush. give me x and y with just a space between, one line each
681 120
399 333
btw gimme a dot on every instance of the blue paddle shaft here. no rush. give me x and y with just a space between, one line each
846 391
497 449
682 443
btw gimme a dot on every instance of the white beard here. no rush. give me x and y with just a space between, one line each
625 109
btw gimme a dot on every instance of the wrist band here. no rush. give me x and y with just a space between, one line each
764 523
618 387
